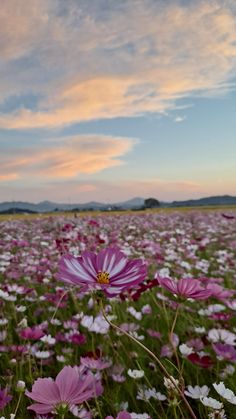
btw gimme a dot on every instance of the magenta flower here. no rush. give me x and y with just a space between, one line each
121 415
70 388
225 350
95 364
32 333
185 287
220 292
109 270
4 398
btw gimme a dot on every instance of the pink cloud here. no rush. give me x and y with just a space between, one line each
66 157
89 70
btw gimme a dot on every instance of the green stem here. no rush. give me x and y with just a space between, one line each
174 322
171 340
161 366
18 404
57 306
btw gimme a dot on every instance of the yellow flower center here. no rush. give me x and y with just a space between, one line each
103 278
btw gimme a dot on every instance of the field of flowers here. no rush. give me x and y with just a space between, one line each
125 316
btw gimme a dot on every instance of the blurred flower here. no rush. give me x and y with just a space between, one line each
185 287
32 333
225 351
185 349
225 392
69 389
222 335
135 373
201 360
197 392
5 398
210 402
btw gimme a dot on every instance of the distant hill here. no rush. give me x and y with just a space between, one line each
134 203
211 200
48 206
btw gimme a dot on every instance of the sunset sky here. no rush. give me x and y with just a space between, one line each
110 99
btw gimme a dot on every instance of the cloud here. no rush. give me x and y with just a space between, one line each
65 157
86 61
179 118
7 177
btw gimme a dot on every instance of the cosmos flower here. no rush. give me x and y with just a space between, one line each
210 402
69 389
185 287
222 335
201 360
121 415
225 392
96 364
135 373
32 333
225 351
109 271
4 398
197 392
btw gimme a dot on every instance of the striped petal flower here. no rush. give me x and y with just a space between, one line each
109 270
185 287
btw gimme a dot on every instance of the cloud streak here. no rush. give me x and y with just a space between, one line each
65 157
133 58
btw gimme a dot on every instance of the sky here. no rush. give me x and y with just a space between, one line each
107 100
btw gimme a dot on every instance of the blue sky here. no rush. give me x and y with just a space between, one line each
106 100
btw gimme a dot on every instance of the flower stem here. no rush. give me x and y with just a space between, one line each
18 404
161 366
171 339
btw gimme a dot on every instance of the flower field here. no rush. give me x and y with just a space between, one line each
125 316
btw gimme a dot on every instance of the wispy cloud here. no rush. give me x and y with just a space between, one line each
85 61
65 157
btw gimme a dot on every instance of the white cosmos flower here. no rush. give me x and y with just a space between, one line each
48 339
155 394
197 392
135 373
222 335
185 350
42 354
224 392
210 402
200 330
147 393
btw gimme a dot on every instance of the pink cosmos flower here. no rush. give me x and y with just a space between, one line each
32 333
121 415
68 390
4 398
95 364
220 292
225 350
109 270
185 287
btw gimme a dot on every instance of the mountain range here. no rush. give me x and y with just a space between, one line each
134 203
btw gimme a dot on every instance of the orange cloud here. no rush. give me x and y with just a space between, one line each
10 176
67 157
140 60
